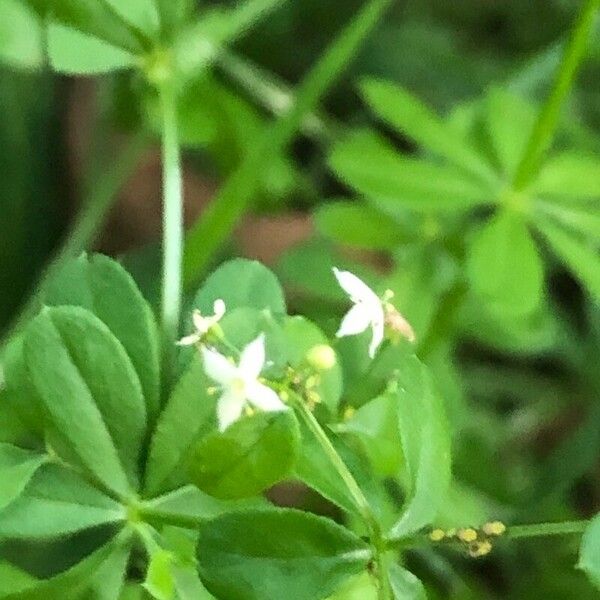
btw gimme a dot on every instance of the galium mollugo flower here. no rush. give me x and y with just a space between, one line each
203 324
239 384
369 311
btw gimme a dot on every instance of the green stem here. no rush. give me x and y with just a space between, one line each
172 228
543 131
86 226
541 529
357 494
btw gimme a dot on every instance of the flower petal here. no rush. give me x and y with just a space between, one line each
378 327
199 322
217 367
355 287
219 309
357 319
252 359
229 409
264 397
189 340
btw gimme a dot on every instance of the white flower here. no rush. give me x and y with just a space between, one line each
203 324
368 310
239 383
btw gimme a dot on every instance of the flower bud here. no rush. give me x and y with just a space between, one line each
321 357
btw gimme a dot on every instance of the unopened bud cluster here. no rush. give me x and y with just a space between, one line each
476 542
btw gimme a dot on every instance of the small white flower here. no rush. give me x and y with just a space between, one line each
239 383
368 310
203 324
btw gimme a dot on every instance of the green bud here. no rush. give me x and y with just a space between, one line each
321 357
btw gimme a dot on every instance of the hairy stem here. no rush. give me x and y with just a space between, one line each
172 228
543 131
357 494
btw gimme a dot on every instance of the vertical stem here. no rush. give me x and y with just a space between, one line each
172 228
543 131
357 494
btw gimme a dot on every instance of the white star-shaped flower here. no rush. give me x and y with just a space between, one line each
368 310
203 324
239 383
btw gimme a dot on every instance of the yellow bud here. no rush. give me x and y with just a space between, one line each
467 535
494 528
349 413
321 357
437 535
478 549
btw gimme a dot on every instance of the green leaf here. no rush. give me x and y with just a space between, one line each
172 13
510 121
90 391
101 285
255 287
407 114
160 582
21 40
358 225
99 20
273 554
235 197
142 14
75 53
248 457
578 255
359 587
585 220
69 584
56 503
504 266
109 580
300 336
425 438
13 579
589 551
574 176
376 426
395 182
188 415
405 585
17 467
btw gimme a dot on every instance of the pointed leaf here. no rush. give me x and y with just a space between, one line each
504 266
405 585
277 553
90 391
574 176
17 467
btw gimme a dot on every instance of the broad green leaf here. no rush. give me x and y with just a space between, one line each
75 53
160 582
13 579
90 391
359 587
248 457
188 415
395 182
21 41
69 584
589 551
191 503
425 443
300 336
510 121
109 580
235 197
358 225
579 257
574 176
406 113
504 266
56 503
142 14
99 20
277 553
101 285
17 467
583 219
376 426
12 428
405 585
241 283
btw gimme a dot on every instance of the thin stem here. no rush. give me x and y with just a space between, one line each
545 127
355 491
172 227
541 529
86 226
